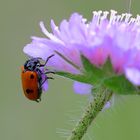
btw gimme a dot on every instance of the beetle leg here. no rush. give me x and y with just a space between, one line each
50 78
43 81
38 100
50 72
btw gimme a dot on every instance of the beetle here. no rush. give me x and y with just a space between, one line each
32 78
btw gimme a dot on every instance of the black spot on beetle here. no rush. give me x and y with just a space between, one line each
28 91
31 76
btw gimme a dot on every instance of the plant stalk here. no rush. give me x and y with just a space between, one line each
101 97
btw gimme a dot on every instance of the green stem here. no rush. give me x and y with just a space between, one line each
100 99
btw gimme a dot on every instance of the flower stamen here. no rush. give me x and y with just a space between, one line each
49 35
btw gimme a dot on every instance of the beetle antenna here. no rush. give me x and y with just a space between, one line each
42 65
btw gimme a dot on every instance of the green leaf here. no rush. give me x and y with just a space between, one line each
120 85
107 68
90 70
76 77
88 67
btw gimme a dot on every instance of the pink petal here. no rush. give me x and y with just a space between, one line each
133 75
82 88
45 86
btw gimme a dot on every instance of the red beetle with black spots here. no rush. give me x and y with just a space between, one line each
33 78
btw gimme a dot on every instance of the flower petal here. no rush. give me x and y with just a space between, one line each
45 86
82 88
107 105
133 75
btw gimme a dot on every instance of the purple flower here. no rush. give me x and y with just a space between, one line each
107 35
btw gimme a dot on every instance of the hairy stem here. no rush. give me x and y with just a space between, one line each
100 99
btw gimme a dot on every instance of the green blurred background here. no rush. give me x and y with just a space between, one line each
21 119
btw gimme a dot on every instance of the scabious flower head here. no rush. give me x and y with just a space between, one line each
107 35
